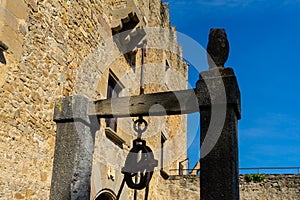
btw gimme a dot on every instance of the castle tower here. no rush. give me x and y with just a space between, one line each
54 49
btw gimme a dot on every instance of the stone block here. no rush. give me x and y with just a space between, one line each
32 4
73 149
18 8
2 74
22 28
8 19
13 40
2 3
19 196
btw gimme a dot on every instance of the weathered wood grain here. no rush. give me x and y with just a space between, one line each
157 104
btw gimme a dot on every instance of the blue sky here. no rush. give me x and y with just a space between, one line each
264 41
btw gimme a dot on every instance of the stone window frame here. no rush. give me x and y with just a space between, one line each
114 89
111 133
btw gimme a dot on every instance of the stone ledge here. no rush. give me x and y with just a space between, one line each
112 135
3 46
12 40
8 19
70 108
18 8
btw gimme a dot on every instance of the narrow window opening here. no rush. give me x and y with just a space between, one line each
167 65
114 89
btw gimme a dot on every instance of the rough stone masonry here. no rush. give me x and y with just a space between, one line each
276 187
59 48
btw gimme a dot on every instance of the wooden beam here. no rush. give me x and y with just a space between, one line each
157 104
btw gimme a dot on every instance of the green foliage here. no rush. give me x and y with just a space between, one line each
254 177
249 177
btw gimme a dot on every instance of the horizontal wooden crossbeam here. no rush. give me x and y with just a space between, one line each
157 104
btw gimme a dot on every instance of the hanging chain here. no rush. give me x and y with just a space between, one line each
140 162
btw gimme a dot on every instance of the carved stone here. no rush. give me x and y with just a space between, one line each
217 48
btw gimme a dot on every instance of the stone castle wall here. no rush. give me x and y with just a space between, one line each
275 187
61 48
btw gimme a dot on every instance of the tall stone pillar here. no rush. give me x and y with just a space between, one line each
219 94
74 149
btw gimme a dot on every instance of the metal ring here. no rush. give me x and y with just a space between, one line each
138 123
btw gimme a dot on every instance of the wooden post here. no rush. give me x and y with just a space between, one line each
219 100
74 149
